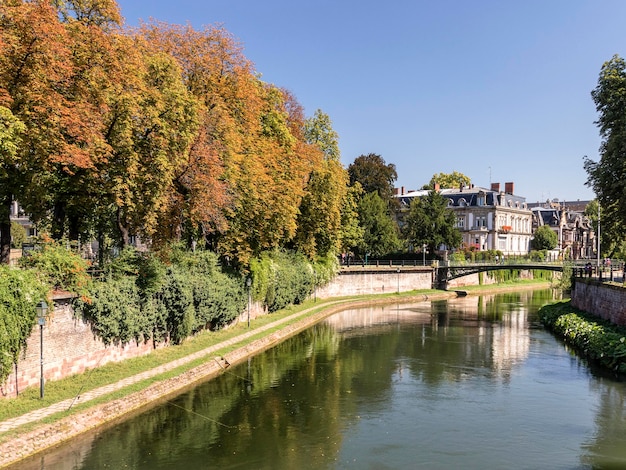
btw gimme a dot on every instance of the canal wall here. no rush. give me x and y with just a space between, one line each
70 347
377 280
606 301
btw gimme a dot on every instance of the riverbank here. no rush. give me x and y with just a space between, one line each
46 427
600 341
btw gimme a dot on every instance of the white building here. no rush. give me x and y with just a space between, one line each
488 219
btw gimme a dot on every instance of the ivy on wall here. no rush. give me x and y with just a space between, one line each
20 291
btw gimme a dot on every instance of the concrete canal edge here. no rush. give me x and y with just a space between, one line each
45 436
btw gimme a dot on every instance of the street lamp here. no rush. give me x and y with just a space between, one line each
424 254
598 234
398 271
248 284
42 310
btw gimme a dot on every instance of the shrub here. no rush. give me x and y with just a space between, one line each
114 311
59 267
282 278
597 339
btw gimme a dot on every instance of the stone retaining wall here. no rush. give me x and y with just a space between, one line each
70 347
607 301
372 280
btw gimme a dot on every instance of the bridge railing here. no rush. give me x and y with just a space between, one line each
613 272
381 263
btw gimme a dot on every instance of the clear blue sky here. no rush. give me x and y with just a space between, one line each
497 90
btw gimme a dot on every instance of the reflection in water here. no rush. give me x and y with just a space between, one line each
470 382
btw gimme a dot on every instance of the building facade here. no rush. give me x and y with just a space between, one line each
575 236
488 219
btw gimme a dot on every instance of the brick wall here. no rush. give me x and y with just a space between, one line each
69 347
604 300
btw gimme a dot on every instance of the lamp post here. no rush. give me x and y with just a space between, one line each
248 284
398 271
42 310
424 254
598 234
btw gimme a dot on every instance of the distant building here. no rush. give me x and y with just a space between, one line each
575 235
488 219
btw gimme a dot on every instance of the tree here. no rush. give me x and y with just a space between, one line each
351 232
607 177
374 174
319 218
448 180
380 232
544 239
35 66
11 129
431 222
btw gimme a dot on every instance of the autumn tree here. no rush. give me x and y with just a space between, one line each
249 137
430 222
34 65
319 219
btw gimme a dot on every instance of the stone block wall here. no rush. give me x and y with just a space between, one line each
604 300
356 281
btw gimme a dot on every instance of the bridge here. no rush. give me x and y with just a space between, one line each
451 270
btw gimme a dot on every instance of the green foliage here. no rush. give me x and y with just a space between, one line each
540 255
60 267
374 175
18 235
448 180
282 278
142 298
544 239
114 311
431 222
380 231
607 177
177 297
20 291
598 340
351 233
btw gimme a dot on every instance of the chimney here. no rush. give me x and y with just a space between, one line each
437 187
402 190
495 187
396 192
508 188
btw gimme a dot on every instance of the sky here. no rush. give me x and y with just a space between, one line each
497 90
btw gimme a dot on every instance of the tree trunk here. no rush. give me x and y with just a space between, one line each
123 229
5 228
58 220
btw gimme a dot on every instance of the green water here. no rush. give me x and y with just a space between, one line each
472 382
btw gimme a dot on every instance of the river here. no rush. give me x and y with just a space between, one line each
472 382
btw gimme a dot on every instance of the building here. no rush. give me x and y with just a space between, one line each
575 235
488 219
